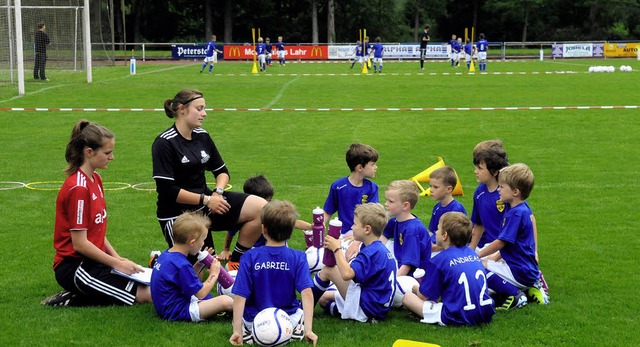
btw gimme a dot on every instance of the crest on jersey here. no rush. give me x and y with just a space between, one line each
500 206
401 239
365 197
205 157
184 159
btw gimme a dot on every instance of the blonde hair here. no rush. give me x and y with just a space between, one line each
373 215
190 225
518 176
407 191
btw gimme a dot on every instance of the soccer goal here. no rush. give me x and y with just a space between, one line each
67 27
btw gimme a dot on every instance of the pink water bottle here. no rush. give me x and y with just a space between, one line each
224 278
318 227
335 228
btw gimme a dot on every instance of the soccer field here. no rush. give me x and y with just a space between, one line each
577 131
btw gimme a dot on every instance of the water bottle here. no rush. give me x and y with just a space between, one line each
318 227
335 228
224 278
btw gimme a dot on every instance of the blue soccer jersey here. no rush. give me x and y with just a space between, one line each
411 242
269 277
520 248
468 48
377 50
211 49
344 196
457 276
482 45
487 211
438 211
261 48
456 47
280 46
173 283
375 271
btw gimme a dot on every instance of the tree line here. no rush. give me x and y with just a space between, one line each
328 21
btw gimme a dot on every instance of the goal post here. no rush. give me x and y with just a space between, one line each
67 25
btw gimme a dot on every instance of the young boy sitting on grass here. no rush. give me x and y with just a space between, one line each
457 276
177 292
270 276
366 286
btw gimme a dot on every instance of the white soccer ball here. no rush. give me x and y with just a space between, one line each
272 327
227 291
314 259
404 284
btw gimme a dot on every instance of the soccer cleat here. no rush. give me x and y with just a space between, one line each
153 256
64 298
514 301
537 295
247 336
233 265
298 331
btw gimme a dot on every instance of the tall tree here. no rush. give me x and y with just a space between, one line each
314 22
331 21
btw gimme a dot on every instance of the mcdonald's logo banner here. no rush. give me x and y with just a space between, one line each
244 52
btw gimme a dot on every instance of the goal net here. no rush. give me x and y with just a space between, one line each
64 26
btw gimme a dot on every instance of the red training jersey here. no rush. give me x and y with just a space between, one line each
80 206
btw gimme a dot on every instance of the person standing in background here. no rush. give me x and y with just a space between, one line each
41 41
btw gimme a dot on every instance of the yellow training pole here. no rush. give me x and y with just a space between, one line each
472 67
255 65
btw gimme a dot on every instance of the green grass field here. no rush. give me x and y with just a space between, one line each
584 160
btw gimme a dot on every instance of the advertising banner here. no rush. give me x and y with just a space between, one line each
402 51
618 50
577 50
244 52
188 52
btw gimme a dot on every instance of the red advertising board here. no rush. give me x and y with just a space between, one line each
239 52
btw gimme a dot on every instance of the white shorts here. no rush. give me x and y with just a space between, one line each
432 312
194 309
349 307
502 269
377 60
361 60
262 58
455 56
482 55
467 57
280 54
210 59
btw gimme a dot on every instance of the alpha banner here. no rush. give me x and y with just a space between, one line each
618 50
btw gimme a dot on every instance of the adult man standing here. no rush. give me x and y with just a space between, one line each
41 40
424 40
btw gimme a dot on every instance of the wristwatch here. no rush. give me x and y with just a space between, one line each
218 191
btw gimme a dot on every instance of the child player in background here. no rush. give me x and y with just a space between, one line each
411 242
268 49
261 51
469 49
281 51
452 43
270 276
456 276
211 55
378 51
481 47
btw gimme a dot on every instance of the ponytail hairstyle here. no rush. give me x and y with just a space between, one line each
84 134
184 97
